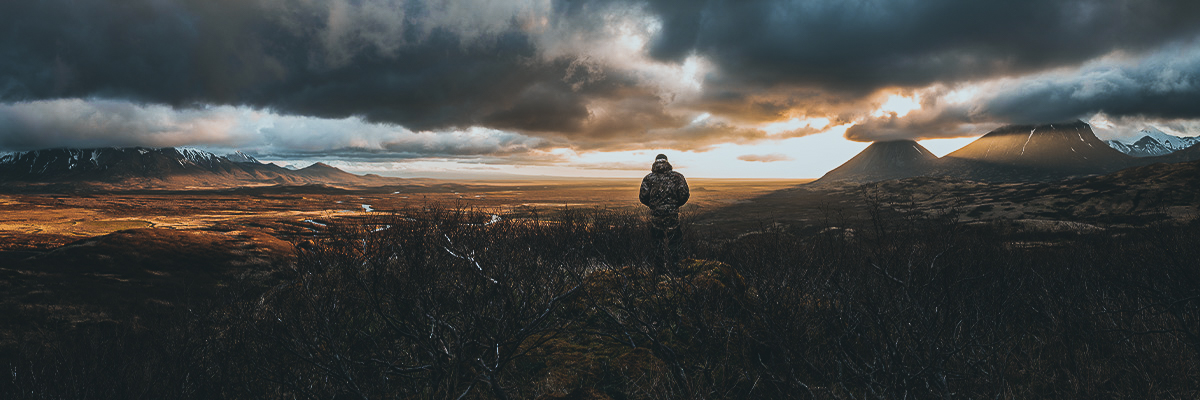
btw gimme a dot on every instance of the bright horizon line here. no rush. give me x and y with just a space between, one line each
691 164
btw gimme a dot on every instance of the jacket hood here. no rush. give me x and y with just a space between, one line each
660 166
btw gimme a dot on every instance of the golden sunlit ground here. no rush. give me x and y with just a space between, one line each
43 221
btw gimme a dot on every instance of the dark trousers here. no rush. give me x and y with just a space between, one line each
668 240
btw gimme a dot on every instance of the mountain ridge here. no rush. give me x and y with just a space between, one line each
1144 147
1152 143
1013 153
159 168
240 157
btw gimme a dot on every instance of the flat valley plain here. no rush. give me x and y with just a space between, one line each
70 260
98 288
32 223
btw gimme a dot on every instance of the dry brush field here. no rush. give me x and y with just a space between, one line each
543 290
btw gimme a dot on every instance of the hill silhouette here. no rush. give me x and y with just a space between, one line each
885 160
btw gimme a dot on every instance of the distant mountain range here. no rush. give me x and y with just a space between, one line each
1010 154
160 168
1153 142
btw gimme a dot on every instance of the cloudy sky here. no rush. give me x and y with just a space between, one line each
483 88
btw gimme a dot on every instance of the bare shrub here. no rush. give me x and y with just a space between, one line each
437 302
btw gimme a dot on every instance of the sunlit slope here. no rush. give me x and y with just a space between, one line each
1069 149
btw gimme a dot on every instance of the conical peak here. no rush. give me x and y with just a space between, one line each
1025 129
884 160
905 148
1067 147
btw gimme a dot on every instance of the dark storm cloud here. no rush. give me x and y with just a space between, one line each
781 58
543 108
439 83
455 64
294 57
1162 88
267 52
62 48
1164 85
864 45
102 123
929 123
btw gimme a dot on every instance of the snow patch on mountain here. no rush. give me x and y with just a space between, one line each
1172 142
1153 142
195 156
238 156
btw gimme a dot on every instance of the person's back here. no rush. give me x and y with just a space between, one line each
664 191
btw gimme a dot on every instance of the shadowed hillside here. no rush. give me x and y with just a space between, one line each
883 161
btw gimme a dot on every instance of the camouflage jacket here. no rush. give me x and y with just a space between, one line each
664 190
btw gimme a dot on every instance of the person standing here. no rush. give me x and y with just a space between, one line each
664 191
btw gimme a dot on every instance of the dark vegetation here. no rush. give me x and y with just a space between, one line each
443 303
